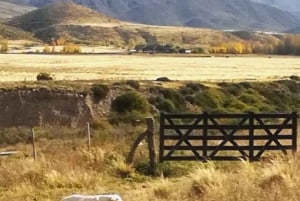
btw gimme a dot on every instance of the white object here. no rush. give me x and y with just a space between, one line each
103 197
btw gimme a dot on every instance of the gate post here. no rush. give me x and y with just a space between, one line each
151 147
204 142
295 127
161 137
251 136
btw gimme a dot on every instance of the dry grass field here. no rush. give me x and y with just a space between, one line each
65 165
20 67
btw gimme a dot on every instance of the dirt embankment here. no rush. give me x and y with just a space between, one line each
42 106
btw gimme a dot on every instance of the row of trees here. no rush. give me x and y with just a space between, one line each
168 48
290 45
283 45
67 49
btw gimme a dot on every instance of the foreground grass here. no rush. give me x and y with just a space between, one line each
66 166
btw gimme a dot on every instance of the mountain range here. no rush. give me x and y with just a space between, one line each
292 6
78 24
262 15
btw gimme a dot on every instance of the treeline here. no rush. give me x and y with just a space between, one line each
167 48
290 45
283 45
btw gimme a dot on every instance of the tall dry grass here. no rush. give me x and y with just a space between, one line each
67 166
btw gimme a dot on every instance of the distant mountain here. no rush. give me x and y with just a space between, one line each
286 5
9 10
219 14
76 23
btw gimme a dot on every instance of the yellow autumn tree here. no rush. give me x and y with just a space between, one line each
71 49
46 49
3 46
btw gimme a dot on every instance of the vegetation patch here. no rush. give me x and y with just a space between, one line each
99 91
129 106
44 76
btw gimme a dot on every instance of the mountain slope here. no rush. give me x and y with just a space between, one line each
58 14
9 10
220 14
78 24
13 33
287 5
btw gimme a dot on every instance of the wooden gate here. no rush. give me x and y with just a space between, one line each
206 136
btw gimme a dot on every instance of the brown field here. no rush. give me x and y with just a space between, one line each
25 67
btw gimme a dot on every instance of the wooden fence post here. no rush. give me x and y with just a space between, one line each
151 146
149 133
33 144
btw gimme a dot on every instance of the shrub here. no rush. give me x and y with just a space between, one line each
190 99
166 105
175 97
99 91
210 100
133 83
196 86
129 102
44 76
163 79
295 77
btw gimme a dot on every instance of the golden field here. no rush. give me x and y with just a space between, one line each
25 67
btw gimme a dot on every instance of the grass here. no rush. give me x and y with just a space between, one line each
65 165
126 67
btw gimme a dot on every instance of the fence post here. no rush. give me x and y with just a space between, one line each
295 127
33 144
251 136
205 131
89 135
151 146
161 137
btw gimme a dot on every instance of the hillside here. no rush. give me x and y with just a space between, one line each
13 33
295 30
292 6
219 14
79 24
58 14
9 10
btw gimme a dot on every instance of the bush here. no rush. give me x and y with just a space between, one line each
210 100
133 83
295 77
100 91
129 102
196 86
166 105
44 76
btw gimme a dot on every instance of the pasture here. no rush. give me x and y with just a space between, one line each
25 67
